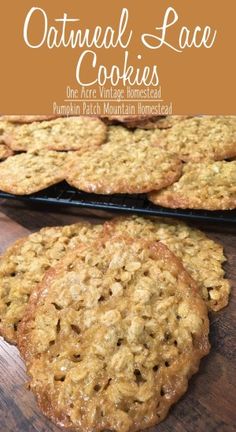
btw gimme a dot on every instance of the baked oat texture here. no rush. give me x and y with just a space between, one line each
113 335
119 134
24 264
26 173
202 257
206 186
5 151
135 168
27 118
122 135
202 138
72 133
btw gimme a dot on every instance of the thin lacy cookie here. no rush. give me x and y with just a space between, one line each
113 335
115 168
202 138
27 173
24 264
202 257
205 186
62 134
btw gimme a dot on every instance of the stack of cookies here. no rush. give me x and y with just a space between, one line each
179 161
111 320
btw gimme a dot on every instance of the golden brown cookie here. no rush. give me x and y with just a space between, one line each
5 151
202 257
72 133
27 173
115 168
24 264
113 335
202 138
206 186
27 118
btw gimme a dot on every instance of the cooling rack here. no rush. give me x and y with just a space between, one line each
63 194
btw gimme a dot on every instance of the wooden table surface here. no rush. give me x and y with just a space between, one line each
210 403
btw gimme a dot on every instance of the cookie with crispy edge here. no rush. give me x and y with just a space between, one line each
203 186
24 264
115 168
112 336
202 138
202 257
61 134
26 173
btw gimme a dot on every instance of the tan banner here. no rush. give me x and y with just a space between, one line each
117 57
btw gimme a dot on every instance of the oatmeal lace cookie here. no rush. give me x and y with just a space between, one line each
113 335
61 134
113 168
202 138
202 257
207 186
26 173
24 264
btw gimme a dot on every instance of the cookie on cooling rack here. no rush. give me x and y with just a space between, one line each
113 335
61 134
24 264
205 186
26 173
202 257
202 138
115 168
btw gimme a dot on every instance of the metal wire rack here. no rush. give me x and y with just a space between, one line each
63 194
